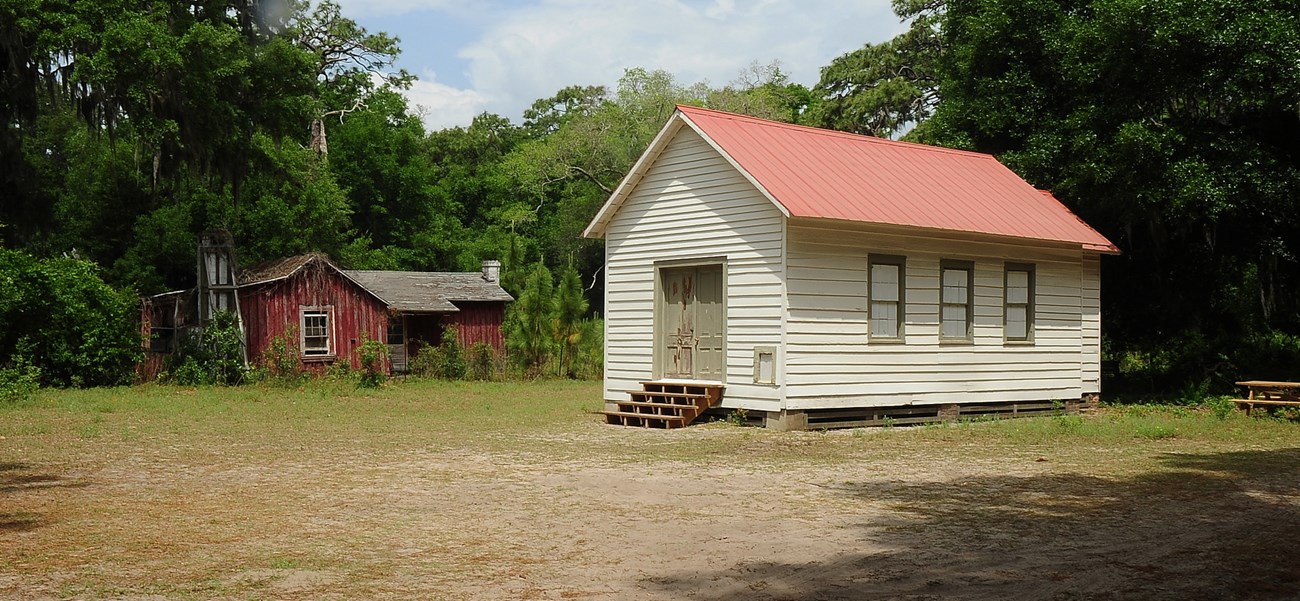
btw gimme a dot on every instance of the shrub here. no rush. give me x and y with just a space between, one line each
281 361
76 329
1221 407
590 355
214 355
373 355
19 380
424 362
482 361
450 356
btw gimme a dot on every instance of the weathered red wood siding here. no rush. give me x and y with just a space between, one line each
272 309
479 322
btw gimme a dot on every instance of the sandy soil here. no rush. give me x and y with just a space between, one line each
457 524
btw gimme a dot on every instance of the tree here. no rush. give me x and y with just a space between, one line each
1173 127
530 325
882 89
570 308
763 91
347 60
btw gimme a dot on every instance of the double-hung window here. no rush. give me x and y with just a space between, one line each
315 327
1019 323
885 296
956 300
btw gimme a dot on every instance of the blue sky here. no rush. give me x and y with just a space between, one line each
499 56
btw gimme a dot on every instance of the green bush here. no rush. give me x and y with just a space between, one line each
281 362
445 361
450 356
214 355
373 355
590 356
482 361
1221 407
66 322
19 381
424 362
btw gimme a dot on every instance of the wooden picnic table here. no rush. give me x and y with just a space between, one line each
1269 394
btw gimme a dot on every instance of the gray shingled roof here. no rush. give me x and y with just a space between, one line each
427 291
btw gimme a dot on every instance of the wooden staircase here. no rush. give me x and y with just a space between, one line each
665 404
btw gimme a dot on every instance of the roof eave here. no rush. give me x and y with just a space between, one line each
894 228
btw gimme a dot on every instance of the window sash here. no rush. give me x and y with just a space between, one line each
315 326
1018 323
885 293
956 300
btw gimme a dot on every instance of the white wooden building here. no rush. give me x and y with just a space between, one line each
829 279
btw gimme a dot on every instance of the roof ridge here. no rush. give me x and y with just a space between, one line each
687 109
406 271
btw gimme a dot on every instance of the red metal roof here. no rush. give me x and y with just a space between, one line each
827 174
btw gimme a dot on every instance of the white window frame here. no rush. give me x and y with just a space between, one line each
323 311
1028 304
900 300
967 303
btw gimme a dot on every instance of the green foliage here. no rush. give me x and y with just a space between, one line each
292 191
482 361
213 355
341 371
591 350
882 89
373 356
1221 407
570 308
59 316
530 323
450 363
19 380
739 417
446 361
424 362
281 362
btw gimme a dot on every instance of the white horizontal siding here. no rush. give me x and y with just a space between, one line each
1091 312
692 204
830 362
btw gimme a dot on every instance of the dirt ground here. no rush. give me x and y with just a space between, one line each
752 519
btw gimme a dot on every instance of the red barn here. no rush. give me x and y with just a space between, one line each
326 313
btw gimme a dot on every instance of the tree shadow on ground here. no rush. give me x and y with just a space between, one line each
1204 526
18 477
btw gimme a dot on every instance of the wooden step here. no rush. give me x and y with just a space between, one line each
645 415
645 420
665 404
668 400
659 405
676 395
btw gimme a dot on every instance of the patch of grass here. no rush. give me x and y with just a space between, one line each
346 485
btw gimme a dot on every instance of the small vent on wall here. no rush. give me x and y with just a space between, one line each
764 365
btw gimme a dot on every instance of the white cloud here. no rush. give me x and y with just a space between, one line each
532 51
521 50
380 8
441 106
